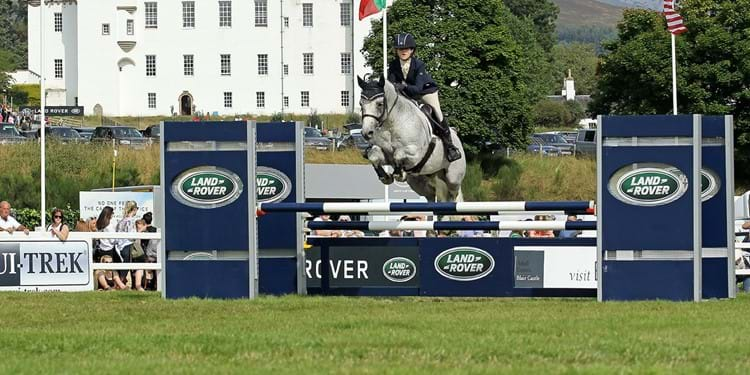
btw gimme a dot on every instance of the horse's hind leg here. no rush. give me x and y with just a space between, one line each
453 177
421 185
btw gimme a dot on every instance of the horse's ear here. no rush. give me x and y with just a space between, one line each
361 82
382 81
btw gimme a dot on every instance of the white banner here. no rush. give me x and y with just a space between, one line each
92 203
37 266
569 267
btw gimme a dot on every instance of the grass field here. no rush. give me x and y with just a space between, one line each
127 332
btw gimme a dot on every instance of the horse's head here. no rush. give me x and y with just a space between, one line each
374 104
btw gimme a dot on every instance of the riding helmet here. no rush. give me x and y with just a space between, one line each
404 40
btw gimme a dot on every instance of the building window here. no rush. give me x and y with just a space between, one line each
305 98
226 65
261 13
345 98
187 65
260 99
150 65
307 14
58 22
227 99
263 65
286 69
151 15
225 14
346 63
58 68
188 14
286 102
130 26
286 21
152 100
105 29
307 63
346 14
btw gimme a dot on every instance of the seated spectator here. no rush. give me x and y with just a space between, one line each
324 232
57 227
470 232
106 248
541 233
8 223
349 232
566 233
416 217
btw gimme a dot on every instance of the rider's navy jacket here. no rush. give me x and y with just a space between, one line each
418 81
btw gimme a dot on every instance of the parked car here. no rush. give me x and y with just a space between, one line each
353 139
313 138
123 135
10 135
570 136
586 143
545 150
152 132
85 132
63 134
557 140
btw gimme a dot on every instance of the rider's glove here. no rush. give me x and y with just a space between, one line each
399 86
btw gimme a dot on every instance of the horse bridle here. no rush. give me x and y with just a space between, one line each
386 110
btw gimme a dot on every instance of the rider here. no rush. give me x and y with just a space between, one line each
408 75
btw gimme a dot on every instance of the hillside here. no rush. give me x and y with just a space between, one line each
650 4
587 13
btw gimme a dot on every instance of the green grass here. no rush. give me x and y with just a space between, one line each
126 332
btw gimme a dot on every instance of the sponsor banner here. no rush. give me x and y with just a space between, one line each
568 267
92 202
53 110
464 263
45 266
371 266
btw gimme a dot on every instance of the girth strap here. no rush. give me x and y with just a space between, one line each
417 168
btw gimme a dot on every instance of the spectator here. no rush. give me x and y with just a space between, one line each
125 246
349 232
567 233
57 227
106 248
324 232
151 248
541 233
418 232
8 223
470 232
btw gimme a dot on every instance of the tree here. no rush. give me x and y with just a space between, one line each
555 113
581 59
488 65
13 30
713 69
542 13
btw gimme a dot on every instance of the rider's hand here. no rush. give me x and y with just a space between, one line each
399 86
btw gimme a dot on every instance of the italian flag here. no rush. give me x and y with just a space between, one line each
370 7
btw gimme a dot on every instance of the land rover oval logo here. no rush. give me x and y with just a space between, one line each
464 263
273 185
709 184
207 187
650 186
399 269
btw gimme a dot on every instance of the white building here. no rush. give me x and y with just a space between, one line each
156 57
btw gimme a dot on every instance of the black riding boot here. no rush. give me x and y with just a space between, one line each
444 132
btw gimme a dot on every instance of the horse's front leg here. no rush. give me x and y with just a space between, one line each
376 157
404 158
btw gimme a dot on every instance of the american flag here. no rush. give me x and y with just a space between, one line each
674 20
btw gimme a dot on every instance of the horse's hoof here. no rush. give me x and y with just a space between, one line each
386 180
401 177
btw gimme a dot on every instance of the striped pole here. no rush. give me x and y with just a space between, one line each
440 208
451 225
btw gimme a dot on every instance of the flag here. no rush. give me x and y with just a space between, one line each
370 7
674 20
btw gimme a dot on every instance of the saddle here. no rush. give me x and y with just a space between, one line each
430 113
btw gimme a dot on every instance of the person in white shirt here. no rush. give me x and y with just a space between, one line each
106 247
8 223
57 228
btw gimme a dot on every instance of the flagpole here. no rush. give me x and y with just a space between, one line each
385 40
42 105
674 77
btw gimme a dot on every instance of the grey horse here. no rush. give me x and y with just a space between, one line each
401 137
